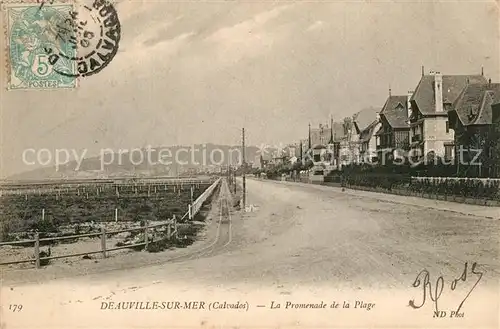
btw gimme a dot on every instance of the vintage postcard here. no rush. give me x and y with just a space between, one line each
249 164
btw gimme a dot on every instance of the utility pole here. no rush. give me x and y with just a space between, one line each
244 170
234 180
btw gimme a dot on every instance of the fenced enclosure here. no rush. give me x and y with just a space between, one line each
169 228
46 208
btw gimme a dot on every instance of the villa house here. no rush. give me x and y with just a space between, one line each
319 136
321 143
430 132
345 141
471 118
362 139
393 137
334 145
368 142
265 161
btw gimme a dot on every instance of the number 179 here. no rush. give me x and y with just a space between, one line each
15 308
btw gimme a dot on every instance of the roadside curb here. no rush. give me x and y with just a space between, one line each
422 206
379 195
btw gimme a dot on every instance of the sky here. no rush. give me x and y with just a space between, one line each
197 72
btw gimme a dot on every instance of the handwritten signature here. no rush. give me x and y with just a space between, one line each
439 286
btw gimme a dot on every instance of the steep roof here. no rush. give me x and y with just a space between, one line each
473 106
365 117
452 86
367 133
320 136
395 111
338 131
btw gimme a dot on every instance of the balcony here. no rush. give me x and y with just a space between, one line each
416 138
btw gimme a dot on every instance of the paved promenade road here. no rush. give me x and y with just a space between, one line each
381 239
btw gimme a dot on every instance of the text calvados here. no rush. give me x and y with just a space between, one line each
109 42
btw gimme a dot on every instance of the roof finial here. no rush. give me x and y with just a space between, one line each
422 70
390 91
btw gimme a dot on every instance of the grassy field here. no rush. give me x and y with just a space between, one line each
51 208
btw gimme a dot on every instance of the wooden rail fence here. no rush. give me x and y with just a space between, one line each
104 250
193 209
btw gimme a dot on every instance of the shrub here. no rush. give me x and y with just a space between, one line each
44 226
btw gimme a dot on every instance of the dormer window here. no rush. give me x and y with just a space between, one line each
447 104
473 112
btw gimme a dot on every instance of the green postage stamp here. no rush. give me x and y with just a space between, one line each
32 34
50 45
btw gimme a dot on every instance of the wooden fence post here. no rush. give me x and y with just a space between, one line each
37 250
169 231
190 211
146 239
103 242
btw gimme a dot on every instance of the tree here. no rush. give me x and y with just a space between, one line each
297 166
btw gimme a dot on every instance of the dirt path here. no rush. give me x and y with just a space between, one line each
305 244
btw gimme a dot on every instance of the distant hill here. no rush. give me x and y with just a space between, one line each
131 164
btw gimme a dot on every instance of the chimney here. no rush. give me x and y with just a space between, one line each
489 83
438 91
408 103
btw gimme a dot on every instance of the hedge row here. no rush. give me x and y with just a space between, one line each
387 182
470 188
